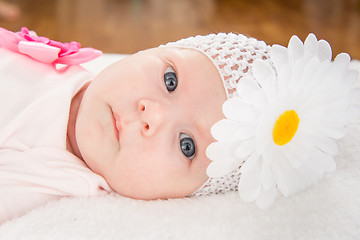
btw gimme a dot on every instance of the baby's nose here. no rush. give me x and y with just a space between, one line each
151 117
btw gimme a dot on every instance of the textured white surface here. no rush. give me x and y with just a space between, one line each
329 210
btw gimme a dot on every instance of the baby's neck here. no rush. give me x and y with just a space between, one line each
71 144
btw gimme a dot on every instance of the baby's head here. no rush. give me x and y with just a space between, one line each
144 122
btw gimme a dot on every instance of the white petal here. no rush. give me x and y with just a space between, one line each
330 85
217 151
335 132
224 161
270 90
220 169
336 71
326 145
297 70
259 102
268 181
250 162
246 88
342 61
225 129
286 177
300 145
267 197
294 157
263 72
337 118
335 105
279 55
325 53
244 149
309 71
250 183
321 71
245 132
268 150
310 46
351 77
283 77
355 96
235 109
296 48
303 177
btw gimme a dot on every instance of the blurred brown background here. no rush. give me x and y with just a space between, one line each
127 26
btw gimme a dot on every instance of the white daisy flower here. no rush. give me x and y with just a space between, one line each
286 120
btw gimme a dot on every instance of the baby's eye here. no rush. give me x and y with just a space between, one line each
187 146
170 79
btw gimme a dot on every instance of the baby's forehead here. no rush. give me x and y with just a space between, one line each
180 54
232 55
169 50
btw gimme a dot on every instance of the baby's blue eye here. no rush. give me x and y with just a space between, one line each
187 146
170 79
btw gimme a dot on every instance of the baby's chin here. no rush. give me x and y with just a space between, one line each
150 197
149 193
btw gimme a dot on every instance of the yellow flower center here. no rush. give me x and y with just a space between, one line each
285 127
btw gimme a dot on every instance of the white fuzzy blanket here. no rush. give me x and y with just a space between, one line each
329 210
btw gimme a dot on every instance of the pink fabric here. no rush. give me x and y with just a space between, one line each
45 50
35 166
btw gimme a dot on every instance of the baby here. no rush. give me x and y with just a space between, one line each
143 123
142 126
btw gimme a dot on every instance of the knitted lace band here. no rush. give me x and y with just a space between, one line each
233 55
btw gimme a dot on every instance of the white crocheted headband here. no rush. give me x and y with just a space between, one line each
286 108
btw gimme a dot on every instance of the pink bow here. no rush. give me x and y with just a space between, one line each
45 50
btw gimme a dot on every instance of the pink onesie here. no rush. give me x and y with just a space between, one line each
35 166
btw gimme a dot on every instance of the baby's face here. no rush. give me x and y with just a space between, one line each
144 122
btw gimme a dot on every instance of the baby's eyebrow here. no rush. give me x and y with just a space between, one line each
170 62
